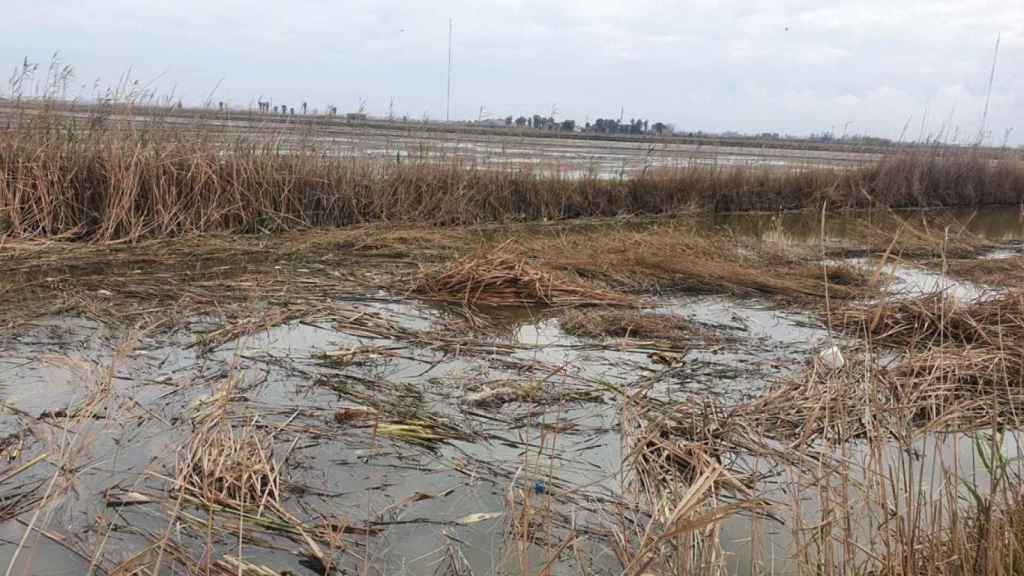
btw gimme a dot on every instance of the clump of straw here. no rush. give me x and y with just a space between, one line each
502 278
936 319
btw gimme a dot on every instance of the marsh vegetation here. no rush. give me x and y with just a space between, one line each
243 353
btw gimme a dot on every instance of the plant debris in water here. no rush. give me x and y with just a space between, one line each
502 278
630 324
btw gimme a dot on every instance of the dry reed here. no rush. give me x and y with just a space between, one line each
128 177
937 319
631 324
501 278
1001 272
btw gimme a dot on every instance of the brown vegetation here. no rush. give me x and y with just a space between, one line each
1001 272
925 235
937 319
108 179
633 324
499 277
674 257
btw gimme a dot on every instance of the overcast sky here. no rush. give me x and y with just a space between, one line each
789 66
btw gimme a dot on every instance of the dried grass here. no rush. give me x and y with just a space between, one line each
630 324
999 272
923 235
937 319
500 277
675 257
227 467
125 177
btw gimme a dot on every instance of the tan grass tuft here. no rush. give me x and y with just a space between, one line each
502 278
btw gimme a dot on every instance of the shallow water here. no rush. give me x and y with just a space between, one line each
559 446
563 452
566 441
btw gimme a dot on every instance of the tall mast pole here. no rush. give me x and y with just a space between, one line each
448 98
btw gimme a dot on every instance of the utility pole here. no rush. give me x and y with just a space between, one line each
988 93
448 98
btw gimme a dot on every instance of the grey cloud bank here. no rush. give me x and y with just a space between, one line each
790 66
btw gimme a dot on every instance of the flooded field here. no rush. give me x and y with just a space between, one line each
324 414
571 155
567 154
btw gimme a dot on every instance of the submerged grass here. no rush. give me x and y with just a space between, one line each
632 324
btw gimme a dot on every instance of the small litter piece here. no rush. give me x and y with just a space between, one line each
348 414
116 498
665 358
494 397
831 359
478 517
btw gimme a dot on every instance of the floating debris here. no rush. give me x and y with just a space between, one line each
116 497
501 278
831 359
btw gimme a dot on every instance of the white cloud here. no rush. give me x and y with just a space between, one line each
785 65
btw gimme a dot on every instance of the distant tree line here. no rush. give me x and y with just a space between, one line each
634 126
599 126
541 123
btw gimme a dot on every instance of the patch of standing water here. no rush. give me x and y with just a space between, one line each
749 346
563 449
770 345
914 281
1010 250
932 464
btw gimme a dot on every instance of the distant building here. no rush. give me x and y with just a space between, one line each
358 116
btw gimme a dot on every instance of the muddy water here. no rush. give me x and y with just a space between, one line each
930 466
96 409
561 448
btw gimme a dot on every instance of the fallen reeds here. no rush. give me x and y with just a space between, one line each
675 257
226 467
500 277
630 324
921 236
936 319
1000 272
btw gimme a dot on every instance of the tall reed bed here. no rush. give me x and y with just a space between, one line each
117 175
